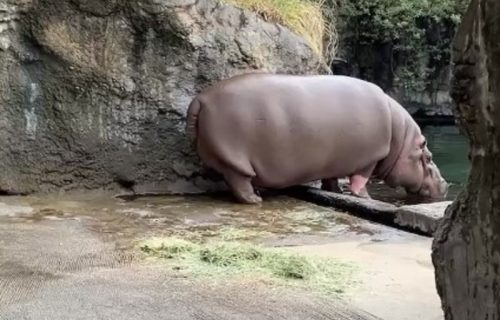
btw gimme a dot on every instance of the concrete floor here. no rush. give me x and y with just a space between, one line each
74 258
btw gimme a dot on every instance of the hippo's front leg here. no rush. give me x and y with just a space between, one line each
358 181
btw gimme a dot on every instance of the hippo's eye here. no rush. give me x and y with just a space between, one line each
424 144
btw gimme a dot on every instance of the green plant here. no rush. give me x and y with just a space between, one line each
416 32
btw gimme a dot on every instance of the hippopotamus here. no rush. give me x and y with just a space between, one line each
264 130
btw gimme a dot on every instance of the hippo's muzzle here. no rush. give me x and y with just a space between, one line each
435 188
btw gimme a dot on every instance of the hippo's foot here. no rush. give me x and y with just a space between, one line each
251 199
242 188
357 183
331 185
363 193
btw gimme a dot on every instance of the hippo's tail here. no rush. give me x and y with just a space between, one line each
192 119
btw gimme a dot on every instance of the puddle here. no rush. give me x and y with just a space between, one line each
124 220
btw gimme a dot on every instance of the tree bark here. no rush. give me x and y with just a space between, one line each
466 248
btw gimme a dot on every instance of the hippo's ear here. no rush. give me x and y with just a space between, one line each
419 145
421 141
425 154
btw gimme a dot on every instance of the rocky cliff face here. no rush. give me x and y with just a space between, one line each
93 93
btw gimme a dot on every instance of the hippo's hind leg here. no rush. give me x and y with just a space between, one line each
358 181
331 185
241 186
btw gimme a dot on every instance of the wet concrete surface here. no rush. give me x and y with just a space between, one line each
74 257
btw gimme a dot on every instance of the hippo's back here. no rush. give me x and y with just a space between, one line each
290 129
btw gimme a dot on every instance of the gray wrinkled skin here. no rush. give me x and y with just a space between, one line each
276 131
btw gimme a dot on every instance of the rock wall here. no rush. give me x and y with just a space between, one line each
93 93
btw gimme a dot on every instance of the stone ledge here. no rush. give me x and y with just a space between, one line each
422 218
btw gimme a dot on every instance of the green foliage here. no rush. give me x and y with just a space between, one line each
392 20
418 33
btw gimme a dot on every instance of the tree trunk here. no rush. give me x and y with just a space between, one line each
466 248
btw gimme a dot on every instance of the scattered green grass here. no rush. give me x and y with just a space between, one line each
304 17
220 259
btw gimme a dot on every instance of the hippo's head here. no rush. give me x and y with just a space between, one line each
432 183
417 173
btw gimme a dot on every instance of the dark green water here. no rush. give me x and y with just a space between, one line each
450 153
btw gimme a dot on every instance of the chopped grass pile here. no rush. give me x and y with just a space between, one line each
220 259
304 17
